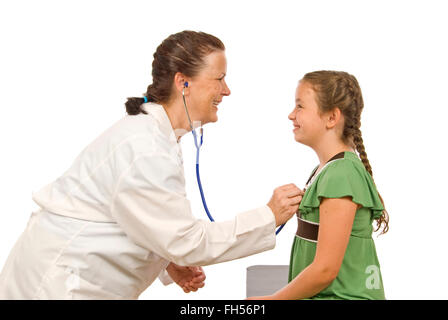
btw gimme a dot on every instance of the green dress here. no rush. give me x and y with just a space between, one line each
359 276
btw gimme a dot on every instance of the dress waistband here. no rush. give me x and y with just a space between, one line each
307 230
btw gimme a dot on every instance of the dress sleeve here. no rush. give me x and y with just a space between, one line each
151 207
344 179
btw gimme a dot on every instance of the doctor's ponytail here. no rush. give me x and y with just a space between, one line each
182 52
340 89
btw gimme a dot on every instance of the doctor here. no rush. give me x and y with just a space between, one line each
118 218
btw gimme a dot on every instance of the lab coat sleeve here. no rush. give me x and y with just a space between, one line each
151 207
165 278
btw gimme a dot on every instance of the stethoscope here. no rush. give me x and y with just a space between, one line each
198 147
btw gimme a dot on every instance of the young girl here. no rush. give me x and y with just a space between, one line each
333 255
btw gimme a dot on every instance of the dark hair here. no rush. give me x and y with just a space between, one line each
341 89
181 52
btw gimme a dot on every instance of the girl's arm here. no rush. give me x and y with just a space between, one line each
336 221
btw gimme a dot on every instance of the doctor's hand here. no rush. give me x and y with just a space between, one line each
285 202
188 278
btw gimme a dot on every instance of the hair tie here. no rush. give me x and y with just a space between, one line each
146 99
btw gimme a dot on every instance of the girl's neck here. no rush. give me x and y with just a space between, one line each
326 151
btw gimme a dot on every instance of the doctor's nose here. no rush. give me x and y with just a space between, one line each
225 90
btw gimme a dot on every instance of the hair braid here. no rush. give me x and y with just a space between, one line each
359 145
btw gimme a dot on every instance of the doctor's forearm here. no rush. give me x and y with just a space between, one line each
308 283
207 243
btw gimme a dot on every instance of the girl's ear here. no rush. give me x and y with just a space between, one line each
333 117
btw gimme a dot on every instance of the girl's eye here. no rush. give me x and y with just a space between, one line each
298 106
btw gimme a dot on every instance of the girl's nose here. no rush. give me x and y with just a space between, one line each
292 115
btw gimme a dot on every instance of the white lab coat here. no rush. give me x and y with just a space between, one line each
109 226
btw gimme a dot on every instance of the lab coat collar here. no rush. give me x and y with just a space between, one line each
159 113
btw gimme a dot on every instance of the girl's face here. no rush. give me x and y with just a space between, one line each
309 125
207 88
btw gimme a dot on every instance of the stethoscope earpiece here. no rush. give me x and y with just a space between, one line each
186 84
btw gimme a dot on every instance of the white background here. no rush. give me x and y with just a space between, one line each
66 68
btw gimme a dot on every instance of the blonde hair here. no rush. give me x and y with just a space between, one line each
341 89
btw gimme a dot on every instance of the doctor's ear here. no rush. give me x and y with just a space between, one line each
181 82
